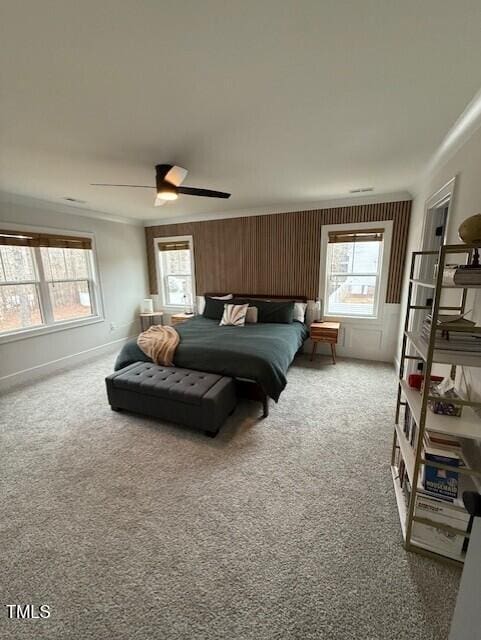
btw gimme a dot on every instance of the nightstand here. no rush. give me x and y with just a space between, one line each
177 318
149 319
325 332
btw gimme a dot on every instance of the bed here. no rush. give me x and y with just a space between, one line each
255 353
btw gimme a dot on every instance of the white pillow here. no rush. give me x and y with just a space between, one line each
229 296
299 311
234 315
251 315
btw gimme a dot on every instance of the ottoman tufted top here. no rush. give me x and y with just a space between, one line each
183 385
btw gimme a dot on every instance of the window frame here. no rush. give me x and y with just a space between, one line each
50 325
160 277
383 269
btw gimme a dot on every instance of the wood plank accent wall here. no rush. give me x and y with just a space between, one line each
277 254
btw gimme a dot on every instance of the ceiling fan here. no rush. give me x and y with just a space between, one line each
168 179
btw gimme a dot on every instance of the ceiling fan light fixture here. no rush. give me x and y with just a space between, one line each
165 189
167 195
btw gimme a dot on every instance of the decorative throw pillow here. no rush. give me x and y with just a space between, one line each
228 296
277 311
213 308
234 315
299 311
251 315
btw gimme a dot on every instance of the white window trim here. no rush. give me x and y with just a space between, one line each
158 271
384 272
97 296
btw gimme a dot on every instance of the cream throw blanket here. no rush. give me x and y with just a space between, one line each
159 343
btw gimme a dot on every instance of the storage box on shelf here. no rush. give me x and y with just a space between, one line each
428 465
450 540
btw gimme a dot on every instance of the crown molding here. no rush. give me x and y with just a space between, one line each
60 207
291 208
462 130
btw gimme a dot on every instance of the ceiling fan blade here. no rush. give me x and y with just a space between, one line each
137 186
176 175
159 202
208 193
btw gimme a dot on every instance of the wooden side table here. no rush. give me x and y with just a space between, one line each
325 332
148 319
177 318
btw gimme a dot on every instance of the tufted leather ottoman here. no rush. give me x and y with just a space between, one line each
193 398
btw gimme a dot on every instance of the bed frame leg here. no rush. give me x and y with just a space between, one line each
265 406
211 434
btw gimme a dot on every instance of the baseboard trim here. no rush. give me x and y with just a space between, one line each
39 371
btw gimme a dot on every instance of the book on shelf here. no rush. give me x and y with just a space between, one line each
410 427
407 420
443 483
461 276
467 276
442 440
401 470
407 489
446 335
451 320
399 466
453 345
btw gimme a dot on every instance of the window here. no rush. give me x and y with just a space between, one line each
175 265
67 274
45 280
353 272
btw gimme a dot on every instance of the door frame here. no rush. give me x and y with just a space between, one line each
443 196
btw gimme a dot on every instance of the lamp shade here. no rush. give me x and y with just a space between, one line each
147 305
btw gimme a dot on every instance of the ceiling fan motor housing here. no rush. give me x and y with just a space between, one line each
163 186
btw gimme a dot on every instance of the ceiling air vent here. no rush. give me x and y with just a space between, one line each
361 190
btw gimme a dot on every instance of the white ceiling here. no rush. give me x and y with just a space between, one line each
275 101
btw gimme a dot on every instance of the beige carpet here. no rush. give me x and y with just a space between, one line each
278 529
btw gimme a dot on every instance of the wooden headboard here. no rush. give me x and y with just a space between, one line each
258 296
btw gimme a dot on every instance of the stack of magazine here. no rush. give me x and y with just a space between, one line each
457 276
467 277
443 449
453 333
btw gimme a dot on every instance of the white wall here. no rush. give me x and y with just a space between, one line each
370 340
366 339
465 164
122 264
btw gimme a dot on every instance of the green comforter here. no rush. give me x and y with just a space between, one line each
259 352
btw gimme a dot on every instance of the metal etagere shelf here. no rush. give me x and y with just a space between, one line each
466 427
